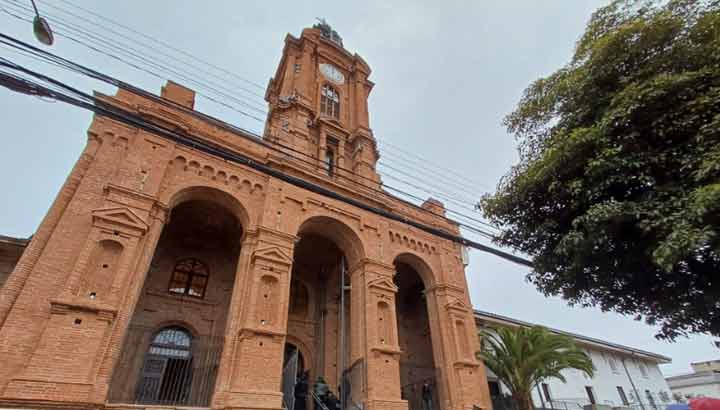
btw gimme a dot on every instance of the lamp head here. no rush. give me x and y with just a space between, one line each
42 31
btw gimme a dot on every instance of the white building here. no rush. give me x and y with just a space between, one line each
704 381
624 376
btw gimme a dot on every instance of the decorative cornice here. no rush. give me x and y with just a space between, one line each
466 363
251 331
383 283
458 306
272 254
63 306
445 287
279 234
120 218
371 265
391 350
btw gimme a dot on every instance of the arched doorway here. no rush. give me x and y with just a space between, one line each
319 313
167 369
418 373
295 381
186 294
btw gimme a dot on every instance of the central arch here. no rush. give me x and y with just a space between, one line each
418 368
185 294
319 313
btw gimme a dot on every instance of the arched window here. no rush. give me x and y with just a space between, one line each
189 277
171 342
330 102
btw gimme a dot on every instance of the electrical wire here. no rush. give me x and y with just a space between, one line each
119 114
170 46
84 70
417 187
101 44
451 197
105 28
422 160
423 166
92 73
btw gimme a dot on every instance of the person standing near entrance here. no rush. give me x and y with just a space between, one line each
301 390
427 397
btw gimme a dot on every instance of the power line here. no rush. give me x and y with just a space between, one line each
430 170
164 44
458 199
404 157
426 161
61 34
99 40
46 56
406 194
451 196
105 28
121 115
424 164
437 192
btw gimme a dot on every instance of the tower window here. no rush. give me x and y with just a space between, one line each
330 155
189 277
330 102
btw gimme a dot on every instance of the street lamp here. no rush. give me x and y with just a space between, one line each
41 28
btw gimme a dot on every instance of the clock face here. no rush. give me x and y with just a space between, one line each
332 73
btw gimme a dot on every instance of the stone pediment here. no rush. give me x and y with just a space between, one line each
457 305
120 217
384 284
272 254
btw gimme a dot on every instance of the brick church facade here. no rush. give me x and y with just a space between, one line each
166 276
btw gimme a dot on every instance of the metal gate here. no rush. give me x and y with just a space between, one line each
289 380
176 369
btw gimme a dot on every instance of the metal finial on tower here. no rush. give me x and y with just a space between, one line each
327 31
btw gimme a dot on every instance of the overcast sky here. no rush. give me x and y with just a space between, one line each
446 73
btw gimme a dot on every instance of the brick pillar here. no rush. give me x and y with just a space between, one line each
374 336
251 367
73 358
462 380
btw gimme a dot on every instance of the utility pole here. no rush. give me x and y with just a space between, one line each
342 386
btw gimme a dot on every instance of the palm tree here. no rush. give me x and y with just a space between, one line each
523 357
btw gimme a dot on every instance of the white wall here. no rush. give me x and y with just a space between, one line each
605 382
701 384
707 390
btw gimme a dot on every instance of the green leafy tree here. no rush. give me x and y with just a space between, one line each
617 193
522 357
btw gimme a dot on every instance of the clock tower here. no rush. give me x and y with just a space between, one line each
318 109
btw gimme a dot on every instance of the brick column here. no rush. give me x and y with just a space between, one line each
251 367
462 379
374 337
72 360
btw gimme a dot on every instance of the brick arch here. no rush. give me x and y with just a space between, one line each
305 351
212 194
342 235
163 324
418 263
